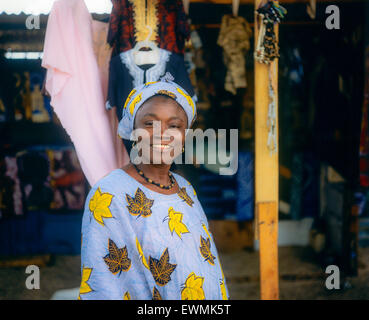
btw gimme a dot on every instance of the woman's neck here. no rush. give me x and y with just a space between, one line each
156 172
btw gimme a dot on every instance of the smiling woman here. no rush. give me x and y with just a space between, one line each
144 232
165 121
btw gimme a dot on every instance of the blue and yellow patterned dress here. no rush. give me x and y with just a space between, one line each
140 244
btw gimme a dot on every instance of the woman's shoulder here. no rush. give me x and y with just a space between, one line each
180 179
115 182
182 182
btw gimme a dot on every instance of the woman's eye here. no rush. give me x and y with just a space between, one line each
174 126
148 123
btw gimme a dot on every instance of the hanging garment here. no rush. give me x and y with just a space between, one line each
66 179
164 252
26 96
103 53
234 38
33 173
192 49
245 187
2 111
74 84
167 19
11 200
124 75
39 110
304 197
17 98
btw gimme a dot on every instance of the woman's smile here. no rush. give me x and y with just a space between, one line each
162 147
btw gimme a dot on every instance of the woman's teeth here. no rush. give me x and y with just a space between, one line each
162 146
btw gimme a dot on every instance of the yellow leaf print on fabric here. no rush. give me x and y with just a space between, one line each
193 288
140 252
194 192
133 91
85 288
175 222
117 259
127 296
205 250
140 204
223 290
99 205
156 294
222 285
161 269
182 193
189 100
136 100
151 82
206 230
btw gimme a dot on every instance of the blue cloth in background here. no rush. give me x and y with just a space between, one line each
39 232
62 233
22 235
304 186
229 197
217 195
245 187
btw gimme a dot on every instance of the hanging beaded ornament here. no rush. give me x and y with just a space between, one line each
267 48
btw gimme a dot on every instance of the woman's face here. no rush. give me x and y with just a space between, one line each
164 122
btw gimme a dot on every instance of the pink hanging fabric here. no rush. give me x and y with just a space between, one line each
103 53
74 84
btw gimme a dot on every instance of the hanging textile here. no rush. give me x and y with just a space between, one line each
66 179
167 19
103 53
245 187
33 174
124 75
11 200
74 85
39 110
192 50
234 38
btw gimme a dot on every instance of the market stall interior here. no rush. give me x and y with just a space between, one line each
296 91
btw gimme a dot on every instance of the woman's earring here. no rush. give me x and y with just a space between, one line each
182 149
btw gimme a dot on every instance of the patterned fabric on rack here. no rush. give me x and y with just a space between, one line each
124 75
234 38
170 28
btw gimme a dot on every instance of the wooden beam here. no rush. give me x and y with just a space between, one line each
266 175
268 248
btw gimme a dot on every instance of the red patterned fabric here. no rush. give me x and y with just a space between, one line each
173 29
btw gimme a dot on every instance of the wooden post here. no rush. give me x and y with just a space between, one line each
266 177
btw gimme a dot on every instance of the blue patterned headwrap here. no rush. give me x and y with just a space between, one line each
140 94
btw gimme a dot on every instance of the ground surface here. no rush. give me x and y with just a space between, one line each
300 277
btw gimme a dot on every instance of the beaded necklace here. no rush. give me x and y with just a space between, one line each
173 182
